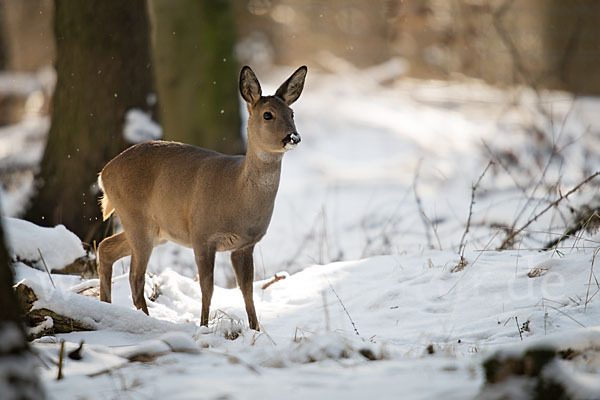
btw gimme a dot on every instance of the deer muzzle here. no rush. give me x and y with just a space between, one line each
291 141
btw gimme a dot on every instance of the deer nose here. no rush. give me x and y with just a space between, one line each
292 139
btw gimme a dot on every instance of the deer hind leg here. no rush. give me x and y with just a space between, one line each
243 265
141 250
110 250
205 260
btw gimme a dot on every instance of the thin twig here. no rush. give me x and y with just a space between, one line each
61 354
471 266
531 196
109 370
275 278
343 306
566 315
263 332
514 233
554 234
310 236
262 262
519 67
579 236
517 258
461 246
537 249
499 161
519 329
554 152
325 310
579 227
95 254
420 206
434 229
596 292
325 248
46 267
587 294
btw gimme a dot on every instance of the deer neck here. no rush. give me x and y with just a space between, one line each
261 170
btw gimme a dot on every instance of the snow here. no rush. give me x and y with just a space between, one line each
25 83
26 241
580 385
399 305
11 337
578 375
95 359
47 323
21 150
16 378
94 314
139 127
372 304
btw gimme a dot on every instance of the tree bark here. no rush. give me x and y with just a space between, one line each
103 70
196 73
26 34
17 377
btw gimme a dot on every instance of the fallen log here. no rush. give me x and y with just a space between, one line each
83 266
550 367
67 311
33 317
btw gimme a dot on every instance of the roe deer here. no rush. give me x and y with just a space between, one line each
200 198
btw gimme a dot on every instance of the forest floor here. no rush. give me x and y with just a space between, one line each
379 299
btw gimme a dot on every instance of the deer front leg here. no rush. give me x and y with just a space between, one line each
109 251
243 265
205 260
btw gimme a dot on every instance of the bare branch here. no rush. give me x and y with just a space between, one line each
497 17
587 294
420 207
276 278
46 268
518 328
461 246
434 229
343 306
514 233
583 221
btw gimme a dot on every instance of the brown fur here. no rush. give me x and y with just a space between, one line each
199 198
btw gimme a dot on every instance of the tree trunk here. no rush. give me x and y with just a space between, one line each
196 73
17 377
103 70
26 30
570 40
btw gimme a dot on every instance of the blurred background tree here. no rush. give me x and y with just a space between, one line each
196 72
26 48
552 44
102 49
103 70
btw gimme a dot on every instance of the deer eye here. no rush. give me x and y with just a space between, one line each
267 116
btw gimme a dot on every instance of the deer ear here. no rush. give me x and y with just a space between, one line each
249 86
290 90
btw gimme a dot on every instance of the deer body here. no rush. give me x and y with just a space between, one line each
200 198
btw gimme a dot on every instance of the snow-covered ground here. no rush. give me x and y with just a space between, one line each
369 217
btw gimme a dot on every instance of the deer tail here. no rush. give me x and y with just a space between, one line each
107 208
